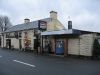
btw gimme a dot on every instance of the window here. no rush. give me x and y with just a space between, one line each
7 35
35 32
16 34
20 34
12 35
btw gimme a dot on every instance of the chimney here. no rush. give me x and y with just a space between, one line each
26 20
69 24
53 14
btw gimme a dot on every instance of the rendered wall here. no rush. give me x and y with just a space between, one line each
54 25
81 46
86 44
15 43
30 37
73 46
3 40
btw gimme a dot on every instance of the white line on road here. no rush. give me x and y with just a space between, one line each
24 63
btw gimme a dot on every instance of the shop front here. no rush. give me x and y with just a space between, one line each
57 43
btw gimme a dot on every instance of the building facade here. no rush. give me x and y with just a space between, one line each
48 35
71 42
27 35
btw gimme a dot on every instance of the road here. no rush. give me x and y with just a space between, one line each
26 63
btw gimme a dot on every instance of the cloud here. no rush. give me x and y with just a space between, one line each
84 13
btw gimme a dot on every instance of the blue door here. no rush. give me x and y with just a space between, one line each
59 47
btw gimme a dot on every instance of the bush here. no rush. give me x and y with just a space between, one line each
96 48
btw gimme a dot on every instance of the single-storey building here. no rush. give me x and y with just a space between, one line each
70 41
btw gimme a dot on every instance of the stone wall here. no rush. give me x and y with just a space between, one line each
73 46
81 46
86 44
55 25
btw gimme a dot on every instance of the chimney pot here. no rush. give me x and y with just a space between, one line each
69 24
53 14
26 20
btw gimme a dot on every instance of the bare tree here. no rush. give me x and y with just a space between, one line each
4 23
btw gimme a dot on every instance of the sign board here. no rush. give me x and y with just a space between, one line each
42 25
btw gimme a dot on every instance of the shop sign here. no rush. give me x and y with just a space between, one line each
42 25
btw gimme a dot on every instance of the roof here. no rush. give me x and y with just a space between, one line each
66 31
26 26
59 32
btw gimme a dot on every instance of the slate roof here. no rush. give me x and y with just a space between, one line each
26 26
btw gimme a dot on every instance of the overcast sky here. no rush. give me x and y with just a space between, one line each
85 14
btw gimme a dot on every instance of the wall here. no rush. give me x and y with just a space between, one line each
3 45
81 46
86 44
30 36
73 46
1 41
54 24
15 43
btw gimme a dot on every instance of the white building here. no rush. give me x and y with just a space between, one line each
27 35
51 36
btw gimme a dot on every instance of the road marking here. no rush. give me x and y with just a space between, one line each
24 63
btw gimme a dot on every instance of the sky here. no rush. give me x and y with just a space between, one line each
84 14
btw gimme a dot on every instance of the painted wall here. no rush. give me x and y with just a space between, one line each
73 46
30 34
15 43
81 46
54 24
1 41
86 44
3 45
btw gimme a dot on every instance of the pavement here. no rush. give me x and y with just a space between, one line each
29 63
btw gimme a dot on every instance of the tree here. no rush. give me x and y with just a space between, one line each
96 48
4 23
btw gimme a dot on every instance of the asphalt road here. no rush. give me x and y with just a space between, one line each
25 63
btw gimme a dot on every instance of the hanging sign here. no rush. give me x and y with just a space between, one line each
42 25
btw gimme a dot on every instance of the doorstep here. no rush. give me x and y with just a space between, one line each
56 55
